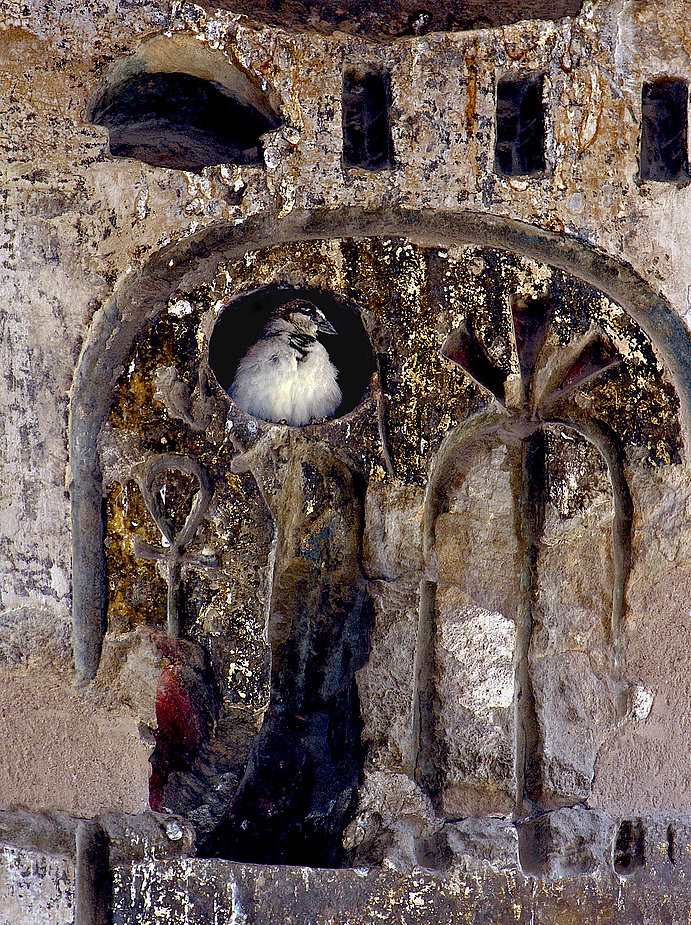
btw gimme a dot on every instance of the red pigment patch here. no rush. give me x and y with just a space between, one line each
184 721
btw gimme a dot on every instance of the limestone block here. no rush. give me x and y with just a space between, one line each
385 683
233 894
484 841
393 813
576 714
566 843
35 889
62 750
393 530
473 655
475 539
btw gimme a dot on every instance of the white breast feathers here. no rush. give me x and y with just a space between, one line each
279 381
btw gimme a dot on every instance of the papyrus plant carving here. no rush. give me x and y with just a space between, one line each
540 398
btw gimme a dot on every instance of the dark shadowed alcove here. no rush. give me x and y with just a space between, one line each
664 129
520 145
182 121
366 126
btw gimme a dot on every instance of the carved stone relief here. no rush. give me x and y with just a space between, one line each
457 543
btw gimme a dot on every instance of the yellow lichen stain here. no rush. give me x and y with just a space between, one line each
139 394
136 590
223 606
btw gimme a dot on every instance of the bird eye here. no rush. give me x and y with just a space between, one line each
306 308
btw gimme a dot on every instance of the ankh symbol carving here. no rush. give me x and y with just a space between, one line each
172 551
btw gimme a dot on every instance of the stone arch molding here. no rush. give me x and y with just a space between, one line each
142 294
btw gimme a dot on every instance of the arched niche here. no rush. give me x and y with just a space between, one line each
175 103
150 315
145 293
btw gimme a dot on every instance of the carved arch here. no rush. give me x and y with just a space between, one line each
142 294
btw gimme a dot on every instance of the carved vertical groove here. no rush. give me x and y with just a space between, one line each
529 521
93 879
607 444
423 720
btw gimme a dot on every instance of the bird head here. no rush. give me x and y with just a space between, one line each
300 315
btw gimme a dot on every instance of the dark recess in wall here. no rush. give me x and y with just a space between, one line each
180 121
366 128
242 321
379 19
520 144
629 847
664 144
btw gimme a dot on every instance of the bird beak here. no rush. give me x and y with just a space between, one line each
324 325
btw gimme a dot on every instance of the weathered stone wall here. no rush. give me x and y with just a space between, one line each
114 255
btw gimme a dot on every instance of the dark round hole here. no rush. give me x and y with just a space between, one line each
242 321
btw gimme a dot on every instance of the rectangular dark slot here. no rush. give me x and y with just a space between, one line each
664 143
629 847
520 145
366 129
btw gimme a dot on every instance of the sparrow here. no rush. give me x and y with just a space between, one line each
287 375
